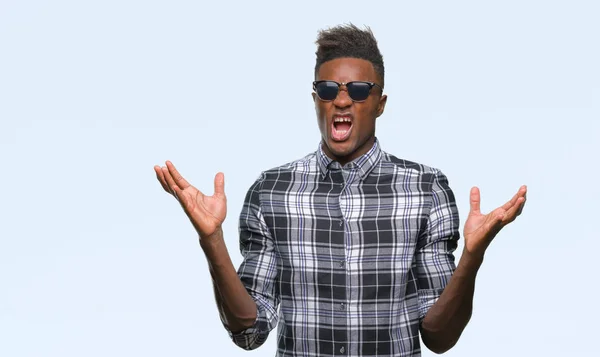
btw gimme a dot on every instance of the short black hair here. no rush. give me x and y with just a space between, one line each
349 41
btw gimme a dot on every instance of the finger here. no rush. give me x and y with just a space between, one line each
511 202
513 212
522 205
180 196
183 199
177 178
161 178
475 200
495 222
169 179
522 191
220 184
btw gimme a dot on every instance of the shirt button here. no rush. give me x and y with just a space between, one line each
342 306
342 349
341 222
342 263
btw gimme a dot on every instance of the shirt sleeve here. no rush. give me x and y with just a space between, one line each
434 259
258 271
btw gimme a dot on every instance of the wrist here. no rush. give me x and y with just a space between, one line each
472 260
211 241
475 248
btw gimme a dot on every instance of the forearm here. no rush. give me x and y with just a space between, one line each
235 305
447 318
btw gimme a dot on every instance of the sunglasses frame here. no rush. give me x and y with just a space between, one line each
371 85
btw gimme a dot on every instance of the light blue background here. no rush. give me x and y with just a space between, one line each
96 260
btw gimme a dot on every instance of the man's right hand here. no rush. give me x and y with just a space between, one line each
206 213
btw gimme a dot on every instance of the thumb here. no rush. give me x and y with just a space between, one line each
220 184
475 200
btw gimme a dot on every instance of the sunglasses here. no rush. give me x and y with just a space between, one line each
357 90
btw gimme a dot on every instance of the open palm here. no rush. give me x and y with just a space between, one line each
206 213
480 228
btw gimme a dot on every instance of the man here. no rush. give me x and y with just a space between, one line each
349 250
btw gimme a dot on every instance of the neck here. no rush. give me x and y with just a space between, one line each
360 151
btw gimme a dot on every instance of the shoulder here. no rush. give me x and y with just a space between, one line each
286 173
389 161
405 171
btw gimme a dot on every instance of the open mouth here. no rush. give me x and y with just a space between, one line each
341 128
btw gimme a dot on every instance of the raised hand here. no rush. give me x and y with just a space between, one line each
206 213
480 228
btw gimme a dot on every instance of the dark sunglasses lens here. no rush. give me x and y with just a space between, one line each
358 90
327 90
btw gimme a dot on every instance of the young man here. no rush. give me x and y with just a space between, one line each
348 250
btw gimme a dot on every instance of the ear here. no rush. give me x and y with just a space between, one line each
314 95
381 105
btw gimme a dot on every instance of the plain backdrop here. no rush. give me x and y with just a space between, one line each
97 260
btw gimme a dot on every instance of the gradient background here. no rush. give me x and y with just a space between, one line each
96 260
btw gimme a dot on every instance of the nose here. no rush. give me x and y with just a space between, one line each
342 100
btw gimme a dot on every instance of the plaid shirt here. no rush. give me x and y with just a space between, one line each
346 261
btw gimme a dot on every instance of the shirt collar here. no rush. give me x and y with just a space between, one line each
364 164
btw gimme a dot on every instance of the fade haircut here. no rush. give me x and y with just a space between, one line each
349 41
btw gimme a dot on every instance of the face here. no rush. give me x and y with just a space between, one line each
347 127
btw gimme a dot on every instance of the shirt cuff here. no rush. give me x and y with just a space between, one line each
255 335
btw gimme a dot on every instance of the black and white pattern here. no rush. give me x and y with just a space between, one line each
346 260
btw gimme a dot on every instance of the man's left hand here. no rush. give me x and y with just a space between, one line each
480 228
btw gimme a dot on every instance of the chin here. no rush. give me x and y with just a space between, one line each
341 149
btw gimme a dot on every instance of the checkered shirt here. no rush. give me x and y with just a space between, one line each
346 261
